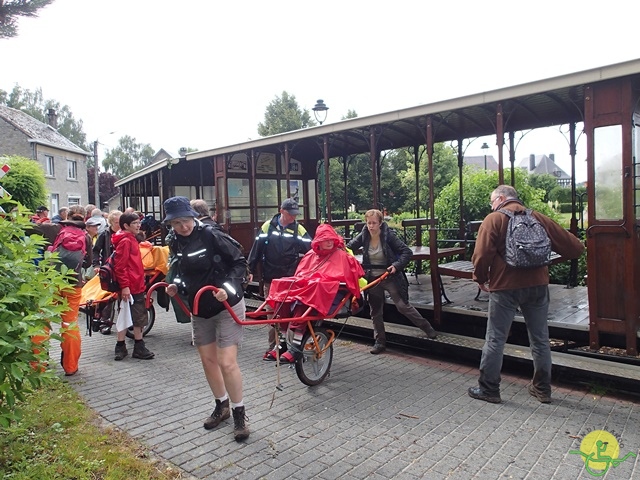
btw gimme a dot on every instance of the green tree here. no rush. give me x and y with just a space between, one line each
128 157
445 168
393 193
10 10
546 182
33 103
477 186
25 182
30 302
284 115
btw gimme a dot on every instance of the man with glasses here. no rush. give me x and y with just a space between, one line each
511 288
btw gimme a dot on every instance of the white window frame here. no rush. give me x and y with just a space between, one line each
72 170
73 200
49 166
55 203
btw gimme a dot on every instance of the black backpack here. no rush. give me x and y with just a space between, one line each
107 274
527 243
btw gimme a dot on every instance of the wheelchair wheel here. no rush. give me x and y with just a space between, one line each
312 370
151 318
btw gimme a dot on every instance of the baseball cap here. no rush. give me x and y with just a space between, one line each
95 221
291 206
42 209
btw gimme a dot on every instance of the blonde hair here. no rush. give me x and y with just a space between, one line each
374 213
114 217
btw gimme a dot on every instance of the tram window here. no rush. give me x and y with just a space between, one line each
636 163
238 190
295 188
607 153
239 215
313 207
266 192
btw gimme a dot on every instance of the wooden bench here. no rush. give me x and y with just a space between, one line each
464 269
347 223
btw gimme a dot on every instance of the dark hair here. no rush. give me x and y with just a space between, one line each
127 219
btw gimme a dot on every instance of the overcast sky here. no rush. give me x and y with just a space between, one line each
200 73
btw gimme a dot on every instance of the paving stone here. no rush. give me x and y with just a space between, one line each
392 416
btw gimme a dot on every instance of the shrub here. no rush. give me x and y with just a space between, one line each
29 303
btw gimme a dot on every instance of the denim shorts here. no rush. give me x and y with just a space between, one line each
220 328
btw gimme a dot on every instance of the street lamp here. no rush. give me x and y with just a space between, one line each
484 147
320 111
96 171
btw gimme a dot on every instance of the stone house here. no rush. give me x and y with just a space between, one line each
63 162
543 164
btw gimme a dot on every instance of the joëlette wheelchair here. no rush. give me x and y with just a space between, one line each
313 364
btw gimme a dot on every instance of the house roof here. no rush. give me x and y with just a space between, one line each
543 165
37 131
478 161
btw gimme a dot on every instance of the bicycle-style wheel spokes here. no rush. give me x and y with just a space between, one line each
312 368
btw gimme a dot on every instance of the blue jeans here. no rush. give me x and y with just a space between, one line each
534 303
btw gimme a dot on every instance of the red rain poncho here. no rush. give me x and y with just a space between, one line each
319 275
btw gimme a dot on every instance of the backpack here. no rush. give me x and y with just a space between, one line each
238 245
527 243
107 274
71 246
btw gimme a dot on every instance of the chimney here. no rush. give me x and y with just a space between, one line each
532 162
52 117
552 156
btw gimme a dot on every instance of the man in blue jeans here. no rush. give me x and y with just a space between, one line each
510 288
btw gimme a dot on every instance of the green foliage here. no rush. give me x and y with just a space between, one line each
59 437
544 182
29 303
445 166
34 104
10 10
25 182
358 184
477 187
284 115
128 157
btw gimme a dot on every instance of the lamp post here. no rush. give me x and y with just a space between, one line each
96 171
320 112
484 148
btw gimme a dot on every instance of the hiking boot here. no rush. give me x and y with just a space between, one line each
478 394
240 428
542 398
121 352
220 413
142 352
431 332
377 349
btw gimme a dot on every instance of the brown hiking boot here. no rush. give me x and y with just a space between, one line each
240 428
220 413
542 398
121 352
142 352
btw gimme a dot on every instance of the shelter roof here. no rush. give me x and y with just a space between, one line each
554 101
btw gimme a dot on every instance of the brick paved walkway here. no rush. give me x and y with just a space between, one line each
379 417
